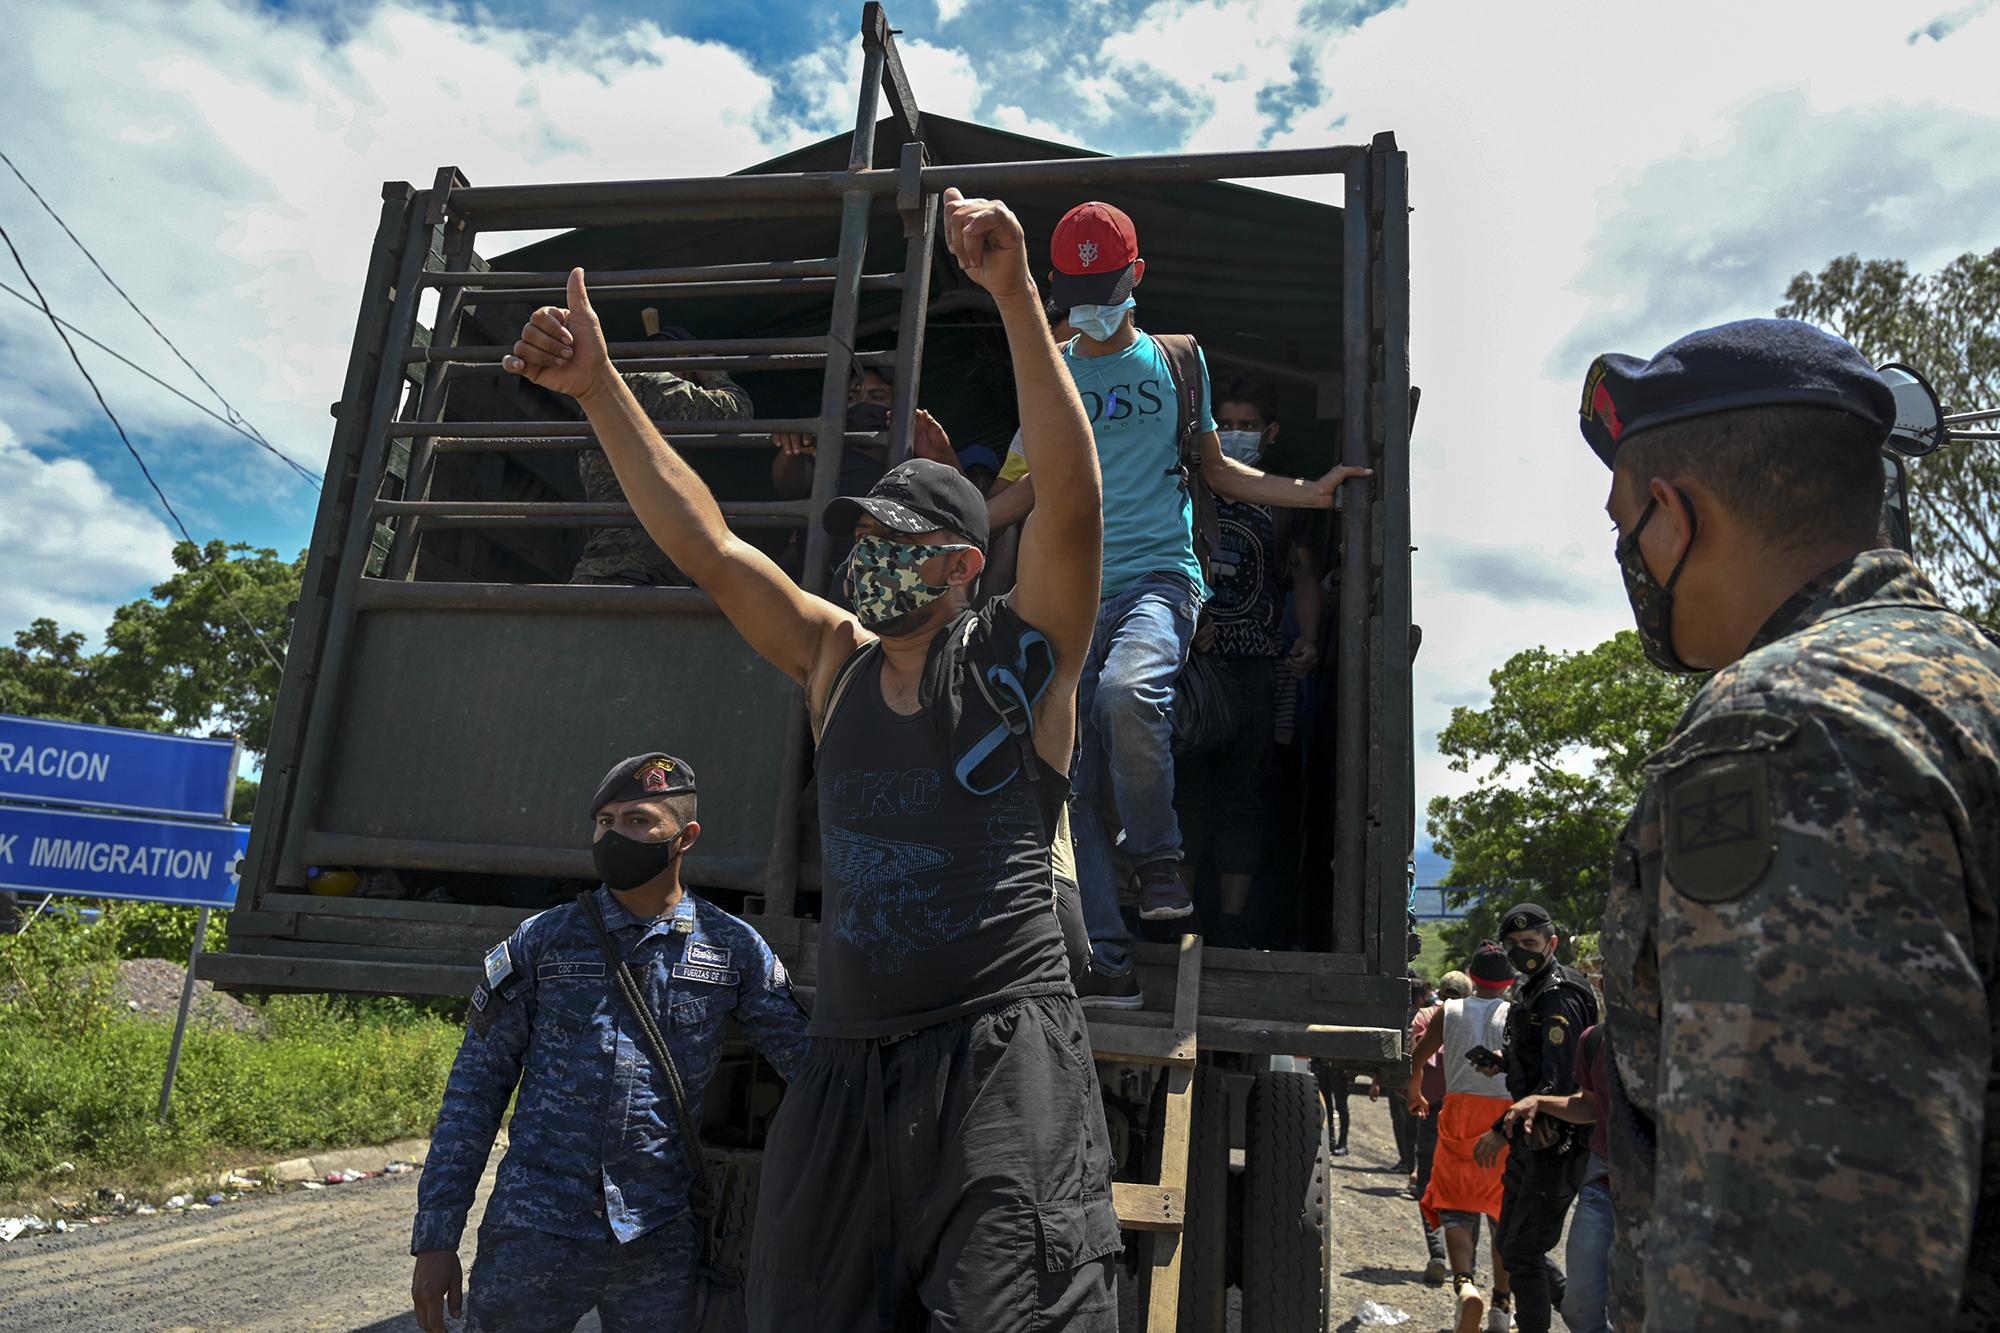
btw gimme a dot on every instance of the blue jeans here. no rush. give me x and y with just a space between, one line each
1589 1259
1125 761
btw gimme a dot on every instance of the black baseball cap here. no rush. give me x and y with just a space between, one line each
915 496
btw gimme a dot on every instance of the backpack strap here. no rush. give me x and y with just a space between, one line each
1190 376
843 677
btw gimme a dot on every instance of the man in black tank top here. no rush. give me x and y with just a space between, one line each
942 1160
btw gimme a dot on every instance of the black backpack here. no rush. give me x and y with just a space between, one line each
1190 387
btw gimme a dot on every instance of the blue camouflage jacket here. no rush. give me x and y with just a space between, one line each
594 1143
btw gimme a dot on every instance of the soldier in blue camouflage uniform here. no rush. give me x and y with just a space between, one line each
1800 941
591 1205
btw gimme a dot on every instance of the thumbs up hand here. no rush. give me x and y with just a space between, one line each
563 350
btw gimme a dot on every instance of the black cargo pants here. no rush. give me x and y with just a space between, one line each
958 1178
1539 1185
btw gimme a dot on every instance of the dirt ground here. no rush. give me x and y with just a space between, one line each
336 1260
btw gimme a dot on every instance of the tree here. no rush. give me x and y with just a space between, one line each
202 654
47 674
1947 325
1560 752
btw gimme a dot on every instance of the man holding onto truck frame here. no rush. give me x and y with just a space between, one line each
592 1206
1801 944
943 1155
1153 584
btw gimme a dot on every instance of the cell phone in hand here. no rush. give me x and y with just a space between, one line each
1479 1057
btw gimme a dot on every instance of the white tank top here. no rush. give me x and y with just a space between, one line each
1468 1023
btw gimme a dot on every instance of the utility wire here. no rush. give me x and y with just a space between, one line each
198 406
166 504
235 417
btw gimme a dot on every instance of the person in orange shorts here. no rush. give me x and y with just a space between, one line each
1460 1189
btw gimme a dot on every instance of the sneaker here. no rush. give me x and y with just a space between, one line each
1500 1314
1340 1150
1162 894
1435 1272
1471 1305
1101 988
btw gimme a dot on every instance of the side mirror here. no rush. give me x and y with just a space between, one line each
1919 427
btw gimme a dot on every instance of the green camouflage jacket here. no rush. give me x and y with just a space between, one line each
628 555
1799 964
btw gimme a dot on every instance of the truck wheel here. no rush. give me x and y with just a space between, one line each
1205 1238
1286 1253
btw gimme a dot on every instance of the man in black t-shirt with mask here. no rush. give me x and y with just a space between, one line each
944 1151
1551 1009
1220 794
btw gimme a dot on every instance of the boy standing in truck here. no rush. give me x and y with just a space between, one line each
1153 581
943 1153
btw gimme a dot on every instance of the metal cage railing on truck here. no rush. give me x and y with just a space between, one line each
415 727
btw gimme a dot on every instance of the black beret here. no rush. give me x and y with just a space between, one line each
1525 916
1490 967
643 776
1750 363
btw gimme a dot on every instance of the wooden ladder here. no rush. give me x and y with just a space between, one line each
1160 1206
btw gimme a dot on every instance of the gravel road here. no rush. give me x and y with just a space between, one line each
336 1260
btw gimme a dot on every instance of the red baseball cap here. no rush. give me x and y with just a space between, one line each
1094 248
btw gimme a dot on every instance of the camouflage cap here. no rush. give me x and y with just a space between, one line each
643 777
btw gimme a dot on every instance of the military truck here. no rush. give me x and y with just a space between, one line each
448 697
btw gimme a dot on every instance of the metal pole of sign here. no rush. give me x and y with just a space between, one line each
181 1020
40 907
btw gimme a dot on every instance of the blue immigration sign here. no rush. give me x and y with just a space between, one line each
113 768
115 856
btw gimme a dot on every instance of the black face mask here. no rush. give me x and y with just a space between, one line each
1525 960
1652 604
867 416
625 863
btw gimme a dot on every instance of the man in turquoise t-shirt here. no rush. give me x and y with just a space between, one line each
1153 587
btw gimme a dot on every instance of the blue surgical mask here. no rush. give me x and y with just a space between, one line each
1245 446
1100 322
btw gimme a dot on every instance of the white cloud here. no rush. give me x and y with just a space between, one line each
1589 177
225 163
72 548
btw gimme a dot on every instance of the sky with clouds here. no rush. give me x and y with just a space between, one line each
1586 177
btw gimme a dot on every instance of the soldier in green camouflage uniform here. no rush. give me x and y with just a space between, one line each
628 555
1800 942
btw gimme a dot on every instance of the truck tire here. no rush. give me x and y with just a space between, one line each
1286 1251
1205 1239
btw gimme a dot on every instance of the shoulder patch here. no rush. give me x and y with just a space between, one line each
499 965
1558 1032
1719 836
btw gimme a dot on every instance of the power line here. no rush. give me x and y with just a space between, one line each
130 448
257 440
235 417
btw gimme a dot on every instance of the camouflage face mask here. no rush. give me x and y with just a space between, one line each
1652 604
882 580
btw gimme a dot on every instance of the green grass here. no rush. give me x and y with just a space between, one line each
80 1079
